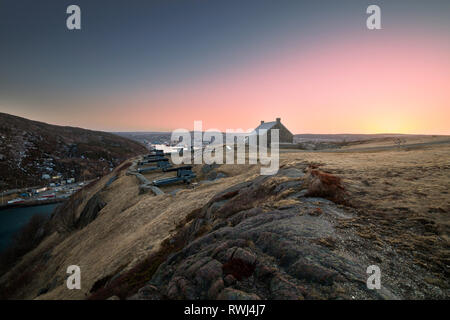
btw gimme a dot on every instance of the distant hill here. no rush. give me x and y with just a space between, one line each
30 149
147 137
347 137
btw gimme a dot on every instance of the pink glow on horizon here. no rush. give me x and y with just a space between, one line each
382 84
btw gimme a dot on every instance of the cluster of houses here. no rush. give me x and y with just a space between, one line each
61 189
57 180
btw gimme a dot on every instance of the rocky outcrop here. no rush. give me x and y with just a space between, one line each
321 184
263 239
90 211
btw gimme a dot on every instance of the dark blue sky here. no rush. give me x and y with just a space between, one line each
130 42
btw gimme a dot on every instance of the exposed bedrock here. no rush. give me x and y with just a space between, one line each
263 239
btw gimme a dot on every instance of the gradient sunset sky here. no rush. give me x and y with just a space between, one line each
160 65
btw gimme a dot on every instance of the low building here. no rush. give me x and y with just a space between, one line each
41 190
284 135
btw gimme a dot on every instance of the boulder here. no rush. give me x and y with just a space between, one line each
234 294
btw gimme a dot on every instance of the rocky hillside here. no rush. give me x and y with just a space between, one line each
31 149
308 232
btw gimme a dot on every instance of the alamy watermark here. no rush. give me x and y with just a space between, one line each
208 147
74 279
374 280
373 22
73 21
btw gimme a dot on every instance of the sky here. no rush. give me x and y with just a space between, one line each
148 65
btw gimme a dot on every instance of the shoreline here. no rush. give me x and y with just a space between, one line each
30 203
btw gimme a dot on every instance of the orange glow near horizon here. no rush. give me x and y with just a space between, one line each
382 84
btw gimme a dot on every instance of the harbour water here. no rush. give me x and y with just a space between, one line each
12 219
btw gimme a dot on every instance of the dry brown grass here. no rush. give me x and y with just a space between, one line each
402 199
127 230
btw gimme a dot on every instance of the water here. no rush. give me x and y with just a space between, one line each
11 220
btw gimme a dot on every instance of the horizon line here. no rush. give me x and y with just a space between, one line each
158 131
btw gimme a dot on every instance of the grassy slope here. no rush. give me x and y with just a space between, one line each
402 197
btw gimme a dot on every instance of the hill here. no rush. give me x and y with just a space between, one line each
29 149
308 232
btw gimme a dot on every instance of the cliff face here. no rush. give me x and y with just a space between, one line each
29 149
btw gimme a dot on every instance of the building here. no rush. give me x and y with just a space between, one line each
285 136
41 190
